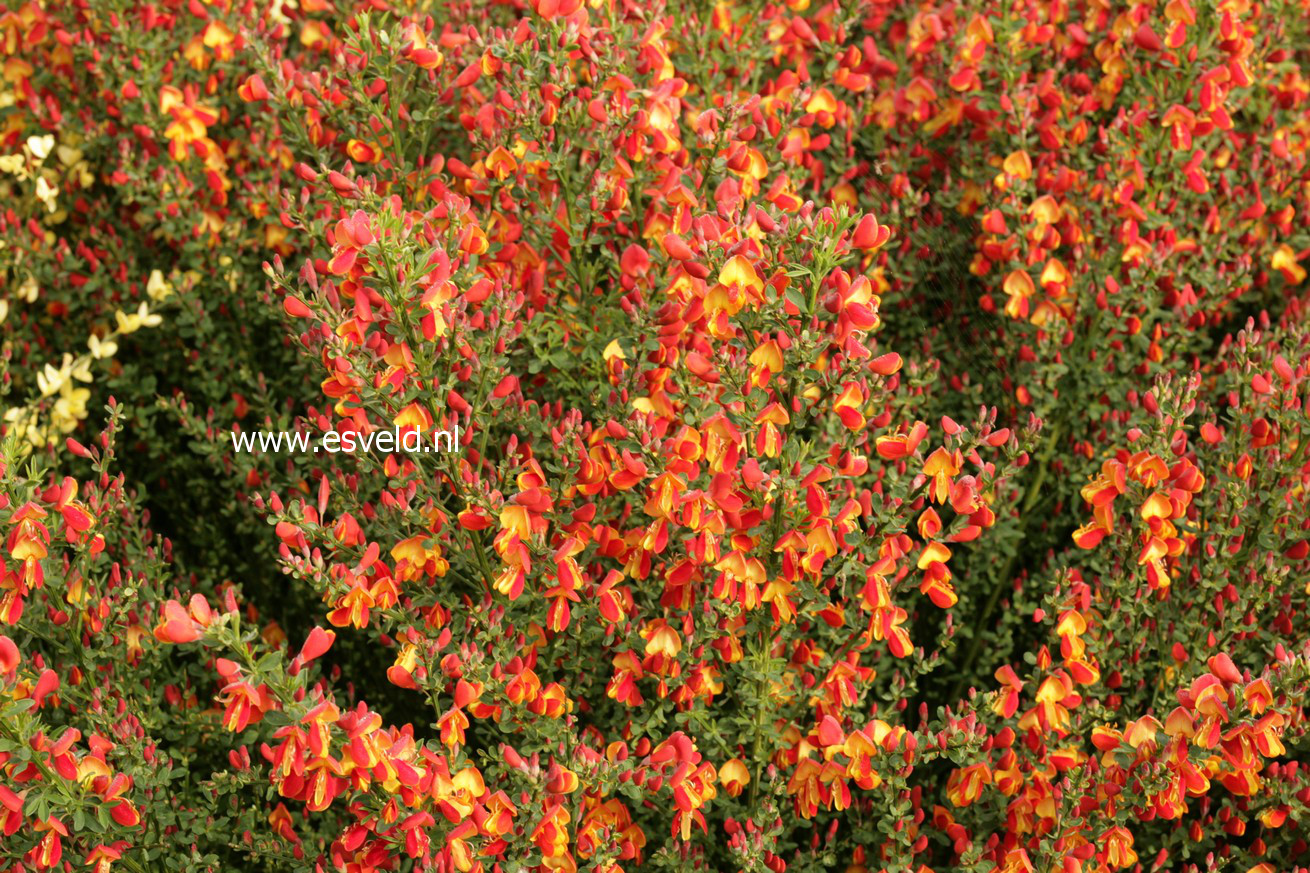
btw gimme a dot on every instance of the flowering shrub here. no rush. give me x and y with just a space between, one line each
881 436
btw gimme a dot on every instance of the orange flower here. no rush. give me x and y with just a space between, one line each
848 406
940 466
182 626
101 858
734 777
965 785
895 447
1117 846
47 852
551 835
738 285
1018 164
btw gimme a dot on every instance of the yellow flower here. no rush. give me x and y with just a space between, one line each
143 317
738 271
734 776
68 156
70 408
40 146
157 287
50 380
101 349
1284 260
46 193
614 351
22 424
79 369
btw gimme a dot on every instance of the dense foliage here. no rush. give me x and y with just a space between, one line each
882 436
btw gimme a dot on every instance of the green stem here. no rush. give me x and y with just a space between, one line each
1031 498
757 747
130 864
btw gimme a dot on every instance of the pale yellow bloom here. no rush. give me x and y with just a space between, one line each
69 409
143 317
101 349
46 193
50 380
157 287
80 369
68 156
22 423
81 171
69 406
40 146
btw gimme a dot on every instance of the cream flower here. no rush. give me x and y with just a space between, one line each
51 379
157 287
40 146
101 349
46 193
68 156
69 409
143 317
